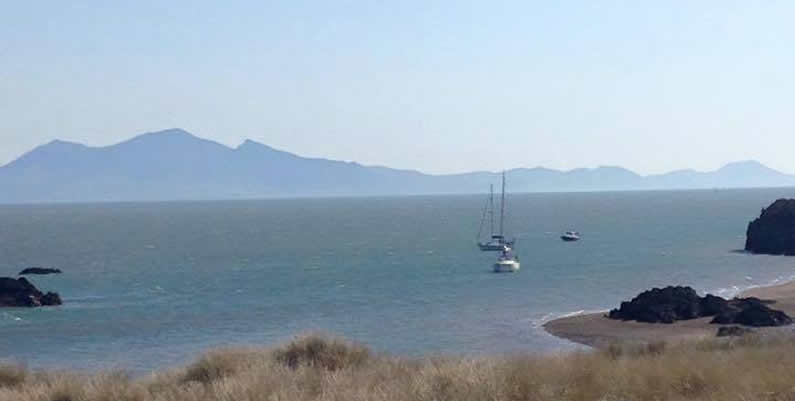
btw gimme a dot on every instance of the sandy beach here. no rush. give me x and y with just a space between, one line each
598 331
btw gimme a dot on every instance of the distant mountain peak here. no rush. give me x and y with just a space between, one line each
61 143
683 171
54 147
174 138
168 133
172 131
248 143
254 148
535 169
611 167
745 164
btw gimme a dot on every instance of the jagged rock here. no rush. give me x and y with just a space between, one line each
751 312
712 305
657 305
20 292
40 270
733 331
774 231
761 315
51 299
670 304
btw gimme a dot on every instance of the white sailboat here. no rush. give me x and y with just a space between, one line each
507 262
497 241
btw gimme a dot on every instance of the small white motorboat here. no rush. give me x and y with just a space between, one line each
570 236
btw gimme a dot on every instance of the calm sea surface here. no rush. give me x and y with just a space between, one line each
150 285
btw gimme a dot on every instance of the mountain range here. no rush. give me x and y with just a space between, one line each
175 165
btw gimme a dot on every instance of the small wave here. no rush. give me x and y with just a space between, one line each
729 292
158 288
779 280
736 290
537 323
84 298
10 317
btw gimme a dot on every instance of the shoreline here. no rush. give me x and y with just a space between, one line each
596 330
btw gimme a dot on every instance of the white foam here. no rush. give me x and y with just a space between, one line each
728 292
84 298
9 316
735 290
579 312
536 323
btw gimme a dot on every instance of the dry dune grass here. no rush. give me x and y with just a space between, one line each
323 368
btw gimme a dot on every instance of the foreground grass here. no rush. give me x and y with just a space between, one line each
322 368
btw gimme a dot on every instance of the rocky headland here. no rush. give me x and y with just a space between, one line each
774 231
21 293
40 270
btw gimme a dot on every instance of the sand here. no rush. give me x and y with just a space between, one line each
598 331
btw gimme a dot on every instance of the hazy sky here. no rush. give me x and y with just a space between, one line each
440 86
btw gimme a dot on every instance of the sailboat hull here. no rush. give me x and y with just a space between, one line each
495 246
506 266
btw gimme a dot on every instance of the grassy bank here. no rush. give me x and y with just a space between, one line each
321 368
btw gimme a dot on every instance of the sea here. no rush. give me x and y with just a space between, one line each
150 286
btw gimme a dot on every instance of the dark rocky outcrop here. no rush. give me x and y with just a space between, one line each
40 270
50 299
660 305
733 331
751 312
21 293
774 231
712 305
669 304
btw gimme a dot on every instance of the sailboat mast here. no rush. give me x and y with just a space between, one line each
502 204
491 209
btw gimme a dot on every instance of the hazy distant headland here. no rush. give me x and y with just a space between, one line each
175 165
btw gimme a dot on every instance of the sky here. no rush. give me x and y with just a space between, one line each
437 86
